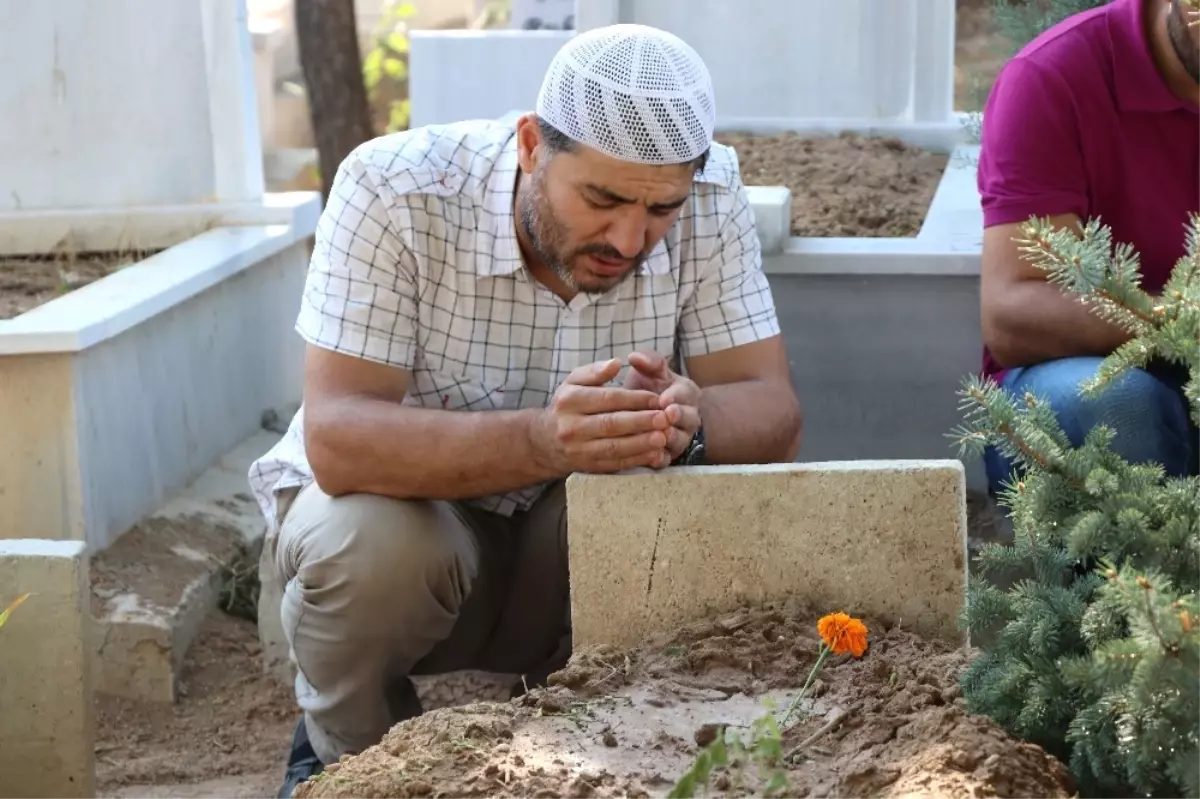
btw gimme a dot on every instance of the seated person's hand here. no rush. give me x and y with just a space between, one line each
593 427
678 396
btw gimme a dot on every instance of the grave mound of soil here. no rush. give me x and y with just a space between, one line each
630 723
844 185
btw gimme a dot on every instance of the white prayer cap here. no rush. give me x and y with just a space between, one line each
633 92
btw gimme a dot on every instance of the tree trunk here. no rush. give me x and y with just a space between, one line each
337 97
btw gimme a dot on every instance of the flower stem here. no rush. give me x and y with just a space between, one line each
812 675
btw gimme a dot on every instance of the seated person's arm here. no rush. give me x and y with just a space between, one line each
1031 165
359 315
734 352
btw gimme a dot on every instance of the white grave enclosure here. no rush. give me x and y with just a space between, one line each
132 125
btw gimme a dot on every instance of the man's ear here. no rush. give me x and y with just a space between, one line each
529 143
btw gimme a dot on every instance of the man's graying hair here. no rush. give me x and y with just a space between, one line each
559 142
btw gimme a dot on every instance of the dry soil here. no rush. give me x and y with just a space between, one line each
844 185
630 723
228 735
27 282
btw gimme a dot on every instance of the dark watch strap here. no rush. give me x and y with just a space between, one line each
694 454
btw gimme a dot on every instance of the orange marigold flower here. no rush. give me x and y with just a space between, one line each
843 633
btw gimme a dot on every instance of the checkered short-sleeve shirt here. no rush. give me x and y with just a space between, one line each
416 265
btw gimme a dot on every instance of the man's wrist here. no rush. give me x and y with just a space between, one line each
693 453
537 455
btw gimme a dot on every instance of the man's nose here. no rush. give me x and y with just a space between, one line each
627 233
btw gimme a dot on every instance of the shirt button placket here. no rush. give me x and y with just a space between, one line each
567 342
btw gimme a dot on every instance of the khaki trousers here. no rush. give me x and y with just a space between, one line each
375 589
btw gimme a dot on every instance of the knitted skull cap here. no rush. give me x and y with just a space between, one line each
633 92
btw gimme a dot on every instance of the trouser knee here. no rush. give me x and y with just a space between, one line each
1148 418
363 556
372 585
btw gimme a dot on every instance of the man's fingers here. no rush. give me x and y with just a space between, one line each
609 399
682 391
678 441
616 450
657 459
649 363
595 374
685 417
615 425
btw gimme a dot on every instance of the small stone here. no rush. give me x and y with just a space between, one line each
608 738
707 734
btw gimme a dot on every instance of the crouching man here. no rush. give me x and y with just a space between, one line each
1097 118
489 309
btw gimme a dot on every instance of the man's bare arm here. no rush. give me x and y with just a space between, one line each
360 439
1026 319
748 406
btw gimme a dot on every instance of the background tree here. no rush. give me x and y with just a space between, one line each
327 37
1021 21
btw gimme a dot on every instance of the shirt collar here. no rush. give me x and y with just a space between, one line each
1139 84
504 257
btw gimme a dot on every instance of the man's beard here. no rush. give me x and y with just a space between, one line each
548 235
1185 47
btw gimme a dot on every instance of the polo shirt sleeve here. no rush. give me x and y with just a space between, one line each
1030 159
360 296
731 303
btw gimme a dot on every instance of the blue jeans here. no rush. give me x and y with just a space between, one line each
1145 408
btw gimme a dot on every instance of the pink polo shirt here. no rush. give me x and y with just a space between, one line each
1081 121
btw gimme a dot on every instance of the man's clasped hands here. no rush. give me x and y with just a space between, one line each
593 427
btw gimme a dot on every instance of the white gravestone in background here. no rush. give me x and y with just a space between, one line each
785 64
126 103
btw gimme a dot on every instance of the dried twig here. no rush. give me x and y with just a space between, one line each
825 728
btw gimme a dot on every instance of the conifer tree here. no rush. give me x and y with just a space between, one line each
1020 21
1095 651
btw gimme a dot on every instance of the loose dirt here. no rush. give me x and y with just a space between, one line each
844 185
27 282
616 723
228 735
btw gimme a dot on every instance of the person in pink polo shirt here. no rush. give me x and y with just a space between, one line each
1096 117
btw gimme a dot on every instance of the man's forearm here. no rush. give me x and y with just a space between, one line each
754 421
363 445
1035 322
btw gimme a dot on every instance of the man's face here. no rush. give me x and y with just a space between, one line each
592 219
1185 36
